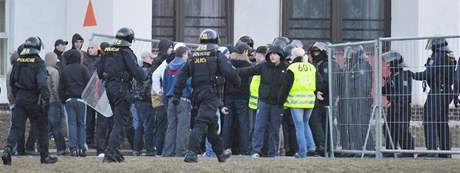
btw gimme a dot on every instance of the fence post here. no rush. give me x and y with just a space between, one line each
331 101
378 99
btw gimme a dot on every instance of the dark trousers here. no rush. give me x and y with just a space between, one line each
37 117
289 134
205 123
318 126
90 125
160 125
435 121
237 119
143 127
103 129
268 117
120 102
32 138
398 119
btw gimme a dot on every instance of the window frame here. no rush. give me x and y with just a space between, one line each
5 35
336 19
179 20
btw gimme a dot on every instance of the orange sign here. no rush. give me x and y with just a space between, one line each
90 19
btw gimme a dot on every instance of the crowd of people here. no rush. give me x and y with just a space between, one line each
273 91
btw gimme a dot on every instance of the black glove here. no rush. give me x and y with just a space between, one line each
175 101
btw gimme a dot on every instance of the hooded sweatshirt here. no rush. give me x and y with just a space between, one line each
74 77
53 76
170 76
64 59
163 47
76 37
234 92
271 76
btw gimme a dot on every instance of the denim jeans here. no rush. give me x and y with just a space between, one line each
160 126
267 113
239 112
76 114
303 132
55 118
178 131
143 123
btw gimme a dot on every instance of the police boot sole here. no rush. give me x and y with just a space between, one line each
190 160
6 160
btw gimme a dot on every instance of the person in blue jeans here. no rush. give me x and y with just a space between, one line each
74 78
178 130
143 123
298 94
236 100
269 111
55 113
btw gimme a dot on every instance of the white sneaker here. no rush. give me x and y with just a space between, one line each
102 155
255 155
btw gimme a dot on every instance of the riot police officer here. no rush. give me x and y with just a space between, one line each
117 69
398 90
439 76
28 81
204 68
319 56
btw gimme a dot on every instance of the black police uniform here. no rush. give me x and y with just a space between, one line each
319 114
28 81
439 76
356 100
204 68
398 91
117 69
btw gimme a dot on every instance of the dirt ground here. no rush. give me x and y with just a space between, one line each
31 164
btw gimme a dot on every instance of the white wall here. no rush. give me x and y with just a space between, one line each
259 19
60 19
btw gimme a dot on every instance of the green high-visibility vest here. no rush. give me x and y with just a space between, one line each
302 92
254 92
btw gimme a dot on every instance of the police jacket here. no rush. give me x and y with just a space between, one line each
271 76
398 88
440 71
322 80
204 68
29 79
119 65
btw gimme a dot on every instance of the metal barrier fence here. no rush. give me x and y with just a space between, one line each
391 109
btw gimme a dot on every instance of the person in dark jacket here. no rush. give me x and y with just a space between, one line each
236 100
77 44
74 78
165 56
59 48
144 122
271 73
90 60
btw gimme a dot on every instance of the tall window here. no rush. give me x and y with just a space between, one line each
183 20
336 20
4 59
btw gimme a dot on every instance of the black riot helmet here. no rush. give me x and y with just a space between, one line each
124 37
394 60
248 40
209 36
280 42
32 46
318 50
436 44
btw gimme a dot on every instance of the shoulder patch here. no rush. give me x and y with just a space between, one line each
26 60
111 49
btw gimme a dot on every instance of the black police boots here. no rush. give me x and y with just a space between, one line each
49 160
6 156
224 156
191 157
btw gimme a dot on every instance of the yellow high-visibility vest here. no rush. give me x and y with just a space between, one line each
302 93
254 92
